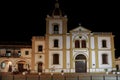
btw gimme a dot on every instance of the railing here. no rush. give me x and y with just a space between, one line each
67 76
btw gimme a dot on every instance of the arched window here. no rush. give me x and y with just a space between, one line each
104 59
83 43
80 43
56 29
77 44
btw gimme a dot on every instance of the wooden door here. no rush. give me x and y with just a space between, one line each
80 66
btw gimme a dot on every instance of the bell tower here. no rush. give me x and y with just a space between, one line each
56 22
56 29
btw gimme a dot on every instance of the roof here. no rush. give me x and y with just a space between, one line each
10 44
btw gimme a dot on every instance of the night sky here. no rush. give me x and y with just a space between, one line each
20 20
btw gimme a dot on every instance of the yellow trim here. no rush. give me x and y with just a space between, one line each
47 52
112 51
64 51
71 61
90 57
96 51
33 55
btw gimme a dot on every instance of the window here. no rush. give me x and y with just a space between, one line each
3 65
19 53
80 43
55 43
26 52
8 53
2 52
77 44
56 29
55 58
104 43
104 59
40 48
83 44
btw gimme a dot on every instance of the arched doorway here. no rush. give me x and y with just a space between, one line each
80 64
40 66
6 66
21 67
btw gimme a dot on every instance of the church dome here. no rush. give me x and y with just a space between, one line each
57 11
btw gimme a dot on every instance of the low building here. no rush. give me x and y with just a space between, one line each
15 57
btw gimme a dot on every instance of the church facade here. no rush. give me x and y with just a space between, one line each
78 51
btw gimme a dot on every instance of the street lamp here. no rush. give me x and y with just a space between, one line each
62 73
68 66
13 76
24 73
39 75
51 75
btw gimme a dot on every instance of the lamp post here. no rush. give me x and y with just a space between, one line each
68 65
62 73
39 75
24 73
13 75
51 75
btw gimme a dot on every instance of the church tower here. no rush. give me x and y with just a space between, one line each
56 22
56 29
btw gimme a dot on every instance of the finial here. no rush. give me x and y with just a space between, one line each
56 4
79 24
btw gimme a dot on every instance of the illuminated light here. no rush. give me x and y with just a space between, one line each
10 63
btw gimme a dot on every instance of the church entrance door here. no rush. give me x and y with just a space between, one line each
80 64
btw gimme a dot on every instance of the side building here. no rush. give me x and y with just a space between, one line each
15 57
117 62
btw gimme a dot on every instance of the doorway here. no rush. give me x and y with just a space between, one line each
80 64
40 66
21 66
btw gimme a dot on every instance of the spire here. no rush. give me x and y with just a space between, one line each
56 11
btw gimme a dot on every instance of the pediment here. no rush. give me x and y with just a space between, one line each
80 29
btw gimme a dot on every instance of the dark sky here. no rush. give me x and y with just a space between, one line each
20 20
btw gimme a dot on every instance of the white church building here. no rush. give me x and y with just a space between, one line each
78 51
